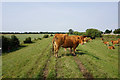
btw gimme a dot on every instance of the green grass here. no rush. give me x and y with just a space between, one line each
22 37
30 61
99 60
18 63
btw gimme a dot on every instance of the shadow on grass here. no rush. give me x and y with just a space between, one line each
80 52
15 49
28 43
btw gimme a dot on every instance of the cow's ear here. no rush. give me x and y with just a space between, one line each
78 38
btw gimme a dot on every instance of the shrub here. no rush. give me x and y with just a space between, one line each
108 31
9 44
93 33
39 38
14 40
116 31
45 36
71 31
51 35
28 40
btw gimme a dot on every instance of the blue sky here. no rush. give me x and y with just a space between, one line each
59 16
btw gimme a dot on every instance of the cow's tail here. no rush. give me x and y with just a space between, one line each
53 45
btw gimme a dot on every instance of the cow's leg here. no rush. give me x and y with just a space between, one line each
54 49
65 49
70 50
74 50
57 48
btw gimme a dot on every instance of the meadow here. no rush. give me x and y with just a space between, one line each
36 60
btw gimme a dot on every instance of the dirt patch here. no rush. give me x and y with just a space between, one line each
84 71
45 69
56 67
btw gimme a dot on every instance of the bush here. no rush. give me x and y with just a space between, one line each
93 33
28 40
79 33
45 36
9 44
71 31
51 35
14 40
108 31
39 38
116 31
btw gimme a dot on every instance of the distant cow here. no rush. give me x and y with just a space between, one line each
115 42
111 47
102 39
107 43
67 42
119 40
85 40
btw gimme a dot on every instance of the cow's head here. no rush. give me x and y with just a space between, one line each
81 40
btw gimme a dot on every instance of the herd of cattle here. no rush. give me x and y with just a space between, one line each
66 41
113 43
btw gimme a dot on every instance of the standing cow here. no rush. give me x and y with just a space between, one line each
57 41
66 42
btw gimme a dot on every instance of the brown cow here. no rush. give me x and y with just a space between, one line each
115 42
67 42
57 41
102 39
72 42
107 43
119 39
111 47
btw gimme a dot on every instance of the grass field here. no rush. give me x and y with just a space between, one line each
36 60
22 37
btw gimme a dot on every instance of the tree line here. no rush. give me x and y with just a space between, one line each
32 32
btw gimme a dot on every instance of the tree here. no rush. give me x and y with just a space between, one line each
108 31
116 31
93 33
71 31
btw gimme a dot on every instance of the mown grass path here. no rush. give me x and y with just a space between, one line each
27 61
92 60
84 71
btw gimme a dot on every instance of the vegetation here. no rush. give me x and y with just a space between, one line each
22 37
79 33
36 60
108 31
45 36
51 35
28 40
39 38
10 43
93 33
71 31
116 31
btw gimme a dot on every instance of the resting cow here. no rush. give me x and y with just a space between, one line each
115 42
107 43
111 47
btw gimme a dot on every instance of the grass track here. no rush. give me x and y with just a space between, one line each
36 61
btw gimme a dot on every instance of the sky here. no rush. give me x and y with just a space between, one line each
59 16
